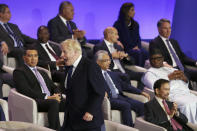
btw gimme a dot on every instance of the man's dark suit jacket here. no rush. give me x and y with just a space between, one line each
120 85
159 44
59 31
27 83
103 46
86 94
44 59
154 113
4 36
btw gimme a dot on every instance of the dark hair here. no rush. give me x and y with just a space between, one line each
161 21
124 9
29 47
3 7
62 5
41 28
159 83
155 51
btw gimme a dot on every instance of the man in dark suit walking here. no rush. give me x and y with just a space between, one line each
36 84
62 27
12 40
173 55
117 55
84 89
114 89
162 112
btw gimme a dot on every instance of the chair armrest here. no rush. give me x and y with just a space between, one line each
140 98
193 126
135 68
150 92
4 106
193 92
106 107
21 105
143 125
8 69
113 126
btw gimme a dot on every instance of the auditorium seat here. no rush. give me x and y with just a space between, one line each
143 125
24 108
115 115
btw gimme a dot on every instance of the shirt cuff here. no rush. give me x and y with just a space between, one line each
46 97
196 63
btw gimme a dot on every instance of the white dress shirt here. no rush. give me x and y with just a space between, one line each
49 54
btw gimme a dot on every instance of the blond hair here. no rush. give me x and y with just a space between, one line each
72 45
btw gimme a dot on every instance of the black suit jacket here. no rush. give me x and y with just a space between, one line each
27 83
120 85
59 31
85 95
103 46
4 36
154 113
43 57
158 43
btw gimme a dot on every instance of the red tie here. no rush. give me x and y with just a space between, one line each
174 123
51 52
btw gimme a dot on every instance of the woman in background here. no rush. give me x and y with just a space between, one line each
128 30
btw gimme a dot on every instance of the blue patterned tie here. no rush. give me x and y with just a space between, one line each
11 33
111 85
178 62
42 82
69 27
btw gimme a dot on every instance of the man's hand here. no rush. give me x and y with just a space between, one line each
4 48
122 54
60 62
120 44
78 34
87 117
115 55
173 110
55 97
167 65
106 95
146 95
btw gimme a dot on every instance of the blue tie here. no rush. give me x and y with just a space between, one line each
11 33
69 77
69 27
178 62
111 85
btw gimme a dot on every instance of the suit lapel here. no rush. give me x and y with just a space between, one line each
5 32
62 24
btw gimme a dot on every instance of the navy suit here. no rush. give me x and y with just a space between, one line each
13 51
155 114
130 37
59 31
124 103
132 74
85 94
159 44
2 115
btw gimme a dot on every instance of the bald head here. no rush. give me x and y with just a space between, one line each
111 34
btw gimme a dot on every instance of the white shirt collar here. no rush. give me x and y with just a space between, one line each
163 38
159 99
107 43
63 19
77 61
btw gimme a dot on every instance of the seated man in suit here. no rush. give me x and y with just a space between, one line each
12 40
5 78
117 55
48 53
114 89
179 91
84 89
164 113
62 27
36 84
171 51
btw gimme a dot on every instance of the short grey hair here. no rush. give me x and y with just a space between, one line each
72 45
99 54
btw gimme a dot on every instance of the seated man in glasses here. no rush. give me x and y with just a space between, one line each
179 91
